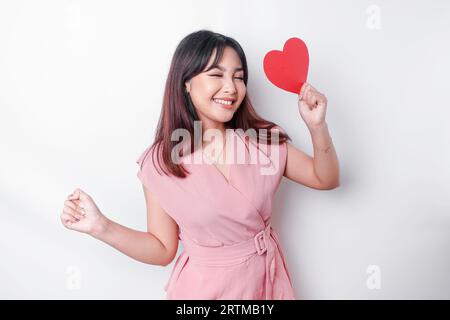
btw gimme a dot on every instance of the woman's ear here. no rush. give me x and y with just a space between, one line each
188 86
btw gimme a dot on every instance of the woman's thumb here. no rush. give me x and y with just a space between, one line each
78 194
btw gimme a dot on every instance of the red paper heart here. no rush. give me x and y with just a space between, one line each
288 69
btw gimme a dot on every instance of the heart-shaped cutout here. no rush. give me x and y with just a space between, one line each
288 69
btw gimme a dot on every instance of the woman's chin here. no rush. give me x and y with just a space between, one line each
222 114
225 116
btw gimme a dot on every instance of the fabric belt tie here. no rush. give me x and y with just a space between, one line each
263 243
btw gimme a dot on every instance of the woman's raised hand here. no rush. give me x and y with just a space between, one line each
80 213
312 106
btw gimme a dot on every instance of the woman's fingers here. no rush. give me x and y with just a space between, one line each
313 100
73 210
75 214
67 220
314 97
78 204
305 89
309 99
308 96
78 197
75 205
302 91
78 194
321 99
73 196
70 204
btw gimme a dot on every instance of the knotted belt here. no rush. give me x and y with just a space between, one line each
263 243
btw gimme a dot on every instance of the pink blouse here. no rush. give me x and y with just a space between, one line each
230 250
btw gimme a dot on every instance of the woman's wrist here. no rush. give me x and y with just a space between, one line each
322 127
101 228
321 138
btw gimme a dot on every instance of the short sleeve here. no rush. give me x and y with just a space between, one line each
167 189
283 157
282 151
149 171
278 157
278 152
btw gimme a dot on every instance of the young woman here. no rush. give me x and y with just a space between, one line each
220 210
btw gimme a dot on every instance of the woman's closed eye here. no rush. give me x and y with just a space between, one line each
219 75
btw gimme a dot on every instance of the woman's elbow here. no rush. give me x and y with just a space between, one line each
331 185
169 257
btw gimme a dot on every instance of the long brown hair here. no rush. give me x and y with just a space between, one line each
190 58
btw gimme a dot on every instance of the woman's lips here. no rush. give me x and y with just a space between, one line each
226 106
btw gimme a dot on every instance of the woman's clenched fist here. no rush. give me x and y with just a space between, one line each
80 213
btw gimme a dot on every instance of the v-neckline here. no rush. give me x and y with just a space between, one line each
231 166
227 179
218 171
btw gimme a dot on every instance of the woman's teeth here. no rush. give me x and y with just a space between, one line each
223 102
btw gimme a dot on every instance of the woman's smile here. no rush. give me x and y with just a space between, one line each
223 103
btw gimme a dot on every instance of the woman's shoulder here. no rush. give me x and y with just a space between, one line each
150 158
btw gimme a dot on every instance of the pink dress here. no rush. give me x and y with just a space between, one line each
230 249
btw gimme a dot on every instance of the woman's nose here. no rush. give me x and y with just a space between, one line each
229 86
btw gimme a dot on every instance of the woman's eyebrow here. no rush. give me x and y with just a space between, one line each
224 69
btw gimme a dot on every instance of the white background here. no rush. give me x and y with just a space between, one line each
81 86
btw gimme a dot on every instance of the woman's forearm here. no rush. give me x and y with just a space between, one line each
326 164
142 246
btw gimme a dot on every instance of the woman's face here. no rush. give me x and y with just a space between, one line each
209 89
